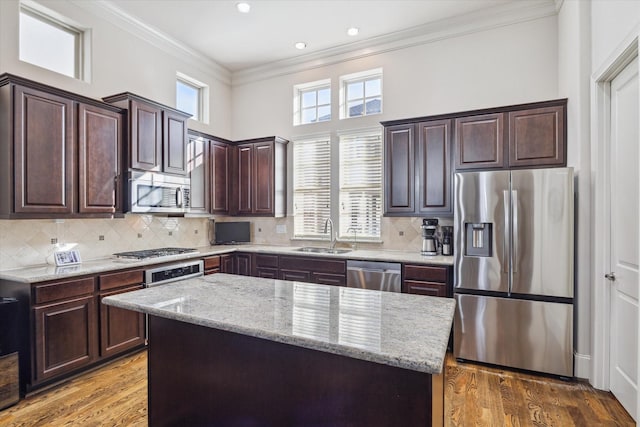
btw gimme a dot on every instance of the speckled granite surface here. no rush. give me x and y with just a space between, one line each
401 330
44 273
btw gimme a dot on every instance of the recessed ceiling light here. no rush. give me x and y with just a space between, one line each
353 31
243 7
300 45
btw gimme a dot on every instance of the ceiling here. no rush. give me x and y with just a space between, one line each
266 35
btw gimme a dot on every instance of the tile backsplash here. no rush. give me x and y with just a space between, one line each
32 242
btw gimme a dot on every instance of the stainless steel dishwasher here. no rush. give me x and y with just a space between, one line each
381 276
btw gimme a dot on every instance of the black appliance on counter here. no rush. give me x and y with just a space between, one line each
447 240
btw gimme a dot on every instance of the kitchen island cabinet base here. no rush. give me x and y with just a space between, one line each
204 376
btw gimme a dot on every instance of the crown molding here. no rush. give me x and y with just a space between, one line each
113 14
486 19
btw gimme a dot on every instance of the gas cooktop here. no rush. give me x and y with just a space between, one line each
154 253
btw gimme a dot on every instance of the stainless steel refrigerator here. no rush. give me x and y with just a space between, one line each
514 244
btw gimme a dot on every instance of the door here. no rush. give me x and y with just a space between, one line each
480 142
120 329
481 213
219 177
99 145
245 179
146 136
174 143
434 167
399 169
197 166
542 232
624 237
263 163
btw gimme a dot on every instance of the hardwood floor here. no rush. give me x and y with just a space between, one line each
475 395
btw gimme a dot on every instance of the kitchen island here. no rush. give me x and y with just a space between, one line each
233 350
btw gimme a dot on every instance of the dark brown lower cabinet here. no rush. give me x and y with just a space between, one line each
227 263
211 264
120 329
295 275
66 337
428 280
243 264
314 270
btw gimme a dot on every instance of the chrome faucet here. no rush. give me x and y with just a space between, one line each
333 237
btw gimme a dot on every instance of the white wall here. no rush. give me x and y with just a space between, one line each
506 65
120 62
611 21
573 81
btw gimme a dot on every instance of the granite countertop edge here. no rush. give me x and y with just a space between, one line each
46 272
432 364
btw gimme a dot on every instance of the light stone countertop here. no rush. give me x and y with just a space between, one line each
401 330
42 273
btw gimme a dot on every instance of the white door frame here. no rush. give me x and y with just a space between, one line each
622 56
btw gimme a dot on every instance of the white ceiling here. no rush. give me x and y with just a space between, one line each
236 41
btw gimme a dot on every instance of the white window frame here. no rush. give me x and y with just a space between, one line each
319 214
299 90
363 76
203 96
82 38
368 225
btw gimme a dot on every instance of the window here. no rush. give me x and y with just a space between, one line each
191 97
312 102
361 185
311 186
361 94
50 43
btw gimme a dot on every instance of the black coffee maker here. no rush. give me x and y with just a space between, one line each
429 238
447 240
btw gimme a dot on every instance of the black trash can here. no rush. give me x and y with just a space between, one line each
9 370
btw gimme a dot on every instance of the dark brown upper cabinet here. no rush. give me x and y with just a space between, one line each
537 137
261 175
198 170
480 141
60 153
521 136
219 162
418 169
157 134
99 159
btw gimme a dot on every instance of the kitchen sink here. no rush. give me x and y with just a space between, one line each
316 250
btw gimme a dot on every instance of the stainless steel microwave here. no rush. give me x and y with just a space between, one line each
153 192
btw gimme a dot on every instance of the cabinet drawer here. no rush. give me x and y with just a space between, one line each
120 279
318 265
427 273
266 261
211 262
63 290
330 279
425 288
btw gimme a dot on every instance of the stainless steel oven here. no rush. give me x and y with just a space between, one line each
153 192
173 272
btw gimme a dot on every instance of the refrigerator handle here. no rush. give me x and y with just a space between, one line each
514 211
507 233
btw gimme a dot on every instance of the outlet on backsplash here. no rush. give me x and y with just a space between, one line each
281 228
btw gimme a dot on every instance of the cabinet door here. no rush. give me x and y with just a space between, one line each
174 143
146 136
120 329
66 337
263 161
267 272
243 264
227 264
43 153
480 142
219 177
245 179
99 150
197 167
434 167
537 137
399 169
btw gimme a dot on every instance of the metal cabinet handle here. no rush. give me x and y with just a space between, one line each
507 233
514 213
610 276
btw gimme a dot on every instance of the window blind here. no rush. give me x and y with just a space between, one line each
311 186
361 185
